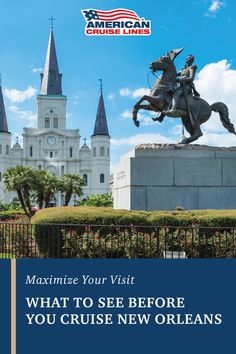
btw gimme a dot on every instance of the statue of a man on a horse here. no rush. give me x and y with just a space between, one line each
174 95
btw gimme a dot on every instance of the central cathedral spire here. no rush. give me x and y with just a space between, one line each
51 78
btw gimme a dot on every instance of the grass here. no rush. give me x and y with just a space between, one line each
6 255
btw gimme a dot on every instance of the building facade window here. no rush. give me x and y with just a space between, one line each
102 151
62 170
85 178
102 178
1 149
51 154
94 152
55 122
71 152
47 122
108 152
31 151
7 149
0 176
39 167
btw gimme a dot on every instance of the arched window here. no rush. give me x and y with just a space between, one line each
7 149
51 78
0 176
1 149
102 178
94 152
85 178
108 152
31 151
102 151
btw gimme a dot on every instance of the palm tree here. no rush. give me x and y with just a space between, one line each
20 180
71 184
45 186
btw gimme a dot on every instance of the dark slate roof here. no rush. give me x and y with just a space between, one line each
3 117
51 78
101 127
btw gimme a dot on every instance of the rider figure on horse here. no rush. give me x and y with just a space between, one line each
185 86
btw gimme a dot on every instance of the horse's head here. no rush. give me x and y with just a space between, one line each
163 63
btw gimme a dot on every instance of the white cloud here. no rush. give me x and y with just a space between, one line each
127 92
142 139
15 95
217 139
28 116
111 97
214 7
217 82
37 70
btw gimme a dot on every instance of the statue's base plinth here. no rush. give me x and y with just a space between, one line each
155 176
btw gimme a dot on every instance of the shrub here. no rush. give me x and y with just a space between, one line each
98 232
10 214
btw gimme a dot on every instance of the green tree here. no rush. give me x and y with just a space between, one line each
20 179
45 186
98 200
71 184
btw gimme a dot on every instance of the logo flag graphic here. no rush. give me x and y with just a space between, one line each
117 22
112 15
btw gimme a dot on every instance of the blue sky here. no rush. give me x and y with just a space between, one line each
206 28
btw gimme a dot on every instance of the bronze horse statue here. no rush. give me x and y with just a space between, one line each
192 111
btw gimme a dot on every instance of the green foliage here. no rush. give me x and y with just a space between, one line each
109 216
6 255
98 232
39 186
97 200
71 184
13 205
19 179
17 240
10 214
44 187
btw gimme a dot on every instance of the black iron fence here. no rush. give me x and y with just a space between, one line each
115 241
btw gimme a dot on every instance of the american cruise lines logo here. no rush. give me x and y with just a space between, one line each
118 22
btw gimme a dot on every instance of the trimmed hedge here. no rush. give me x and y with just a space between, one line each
108 216
62 232
10 214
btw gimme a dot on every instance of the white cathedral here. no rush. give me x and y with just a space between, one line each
53 147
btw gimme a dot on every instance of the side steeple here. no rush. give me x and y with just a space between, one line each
3 117
51 78
101 127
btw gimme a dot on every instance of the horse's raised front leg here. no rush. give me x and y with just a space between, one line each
137 106
136 109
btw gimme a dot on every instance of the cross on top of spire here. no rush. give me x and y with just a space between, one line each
100 84
51 19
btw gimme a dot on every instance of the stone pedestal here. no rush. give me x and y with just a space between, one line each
163 177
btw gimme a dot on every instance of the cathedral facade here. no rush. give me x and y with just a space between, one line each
53 147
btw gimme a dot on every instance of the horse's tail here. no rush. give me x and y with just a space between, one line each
222 109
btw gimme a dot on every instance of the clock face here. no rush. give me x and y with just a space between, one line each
51 140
